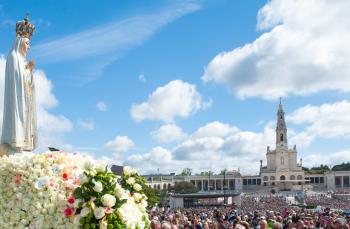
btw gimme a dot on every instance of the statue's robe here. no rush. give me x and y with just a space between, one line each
19 118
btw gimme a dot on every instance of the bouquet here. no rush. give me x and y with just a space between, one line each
108 201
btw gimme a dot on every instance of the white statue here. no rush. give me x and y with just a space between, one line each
19 132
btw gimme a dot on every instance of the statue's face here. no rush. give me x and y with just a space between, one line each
25 47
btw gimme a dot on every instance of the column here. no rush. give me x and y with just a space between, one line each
342 182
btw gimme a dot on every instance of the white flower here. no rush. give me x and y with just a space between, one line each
100 167
88 165
130 214
130 181
137 187
144 203
97 186
108 200
83 178
85 211
99 212
127 170
120 192
137 196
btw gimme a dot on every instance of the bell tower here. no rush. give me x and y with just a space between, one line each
281 129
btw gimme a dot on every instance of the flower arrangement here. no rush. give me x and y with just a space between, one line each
34 189
61 190
107 201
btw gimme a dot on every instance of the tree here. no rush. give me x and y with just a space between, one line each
152 196
186 172
223 172
163 197
342 167
184 187
317 170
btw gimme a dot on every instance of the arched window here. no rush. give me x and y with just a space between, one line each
292 177
282 177
281 137
272 178
300 177
282 160
266 178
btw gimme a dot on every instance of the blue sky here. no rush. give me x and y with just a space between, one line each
175 84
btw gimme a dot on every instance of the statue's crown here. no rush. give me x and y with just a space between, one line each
24 28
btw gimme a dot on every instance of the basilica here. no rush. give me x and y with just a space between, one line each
282 168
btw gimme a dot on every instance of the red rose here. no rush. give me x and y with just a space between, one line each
71 200
65 176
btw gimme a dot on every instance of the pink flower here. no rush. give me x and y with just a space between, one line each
68 212
18 179
109 210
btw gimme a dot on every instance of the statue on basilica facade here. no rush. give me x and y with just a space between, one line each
19 131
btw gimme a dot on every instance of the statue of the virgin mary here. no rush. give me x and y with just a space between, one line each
19 132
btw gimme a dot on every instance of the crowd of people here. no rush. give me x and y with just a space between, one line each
261 212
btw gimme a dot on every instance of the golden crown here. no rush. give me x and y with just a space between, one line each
24 28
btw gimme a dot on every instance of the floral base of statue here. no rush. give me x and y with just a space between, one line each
61 190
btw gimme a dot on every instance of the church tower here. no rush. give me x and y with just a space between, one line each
282 167
281 129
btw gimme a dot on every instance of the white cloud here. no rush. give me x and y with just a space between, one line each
305 51
44 98
168 133
115 37
157 157
51 127
330 159
120 144
175 99
142 78
329 120
101 106
207 148
86 124
215 145
215 129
